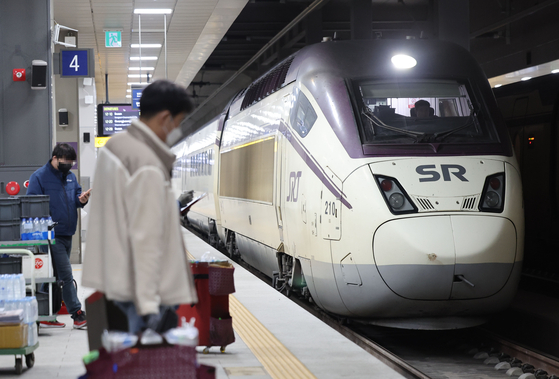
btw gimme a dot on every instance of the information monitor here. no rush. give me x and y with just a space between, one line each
114 118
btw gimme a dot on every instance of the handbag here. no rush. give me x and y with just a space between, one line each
161 361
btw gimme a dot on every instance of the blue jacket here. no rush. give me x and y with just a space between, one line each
64 197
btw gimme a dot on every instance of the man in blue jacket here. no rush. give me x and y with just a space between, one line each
56 180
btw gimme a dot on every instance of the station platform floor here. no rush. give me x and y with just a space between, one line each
275 338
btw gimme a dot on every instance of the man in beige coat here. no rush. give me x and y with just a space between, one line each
135 252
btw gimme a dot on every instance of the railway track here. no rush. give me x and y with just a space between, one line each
466 353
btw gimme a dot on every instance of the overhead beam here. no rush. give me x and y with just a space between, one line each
313 6
361 17
511 19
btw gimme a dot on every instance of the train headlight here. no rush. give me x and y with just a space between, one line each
492 199
402 61
396 198
493 195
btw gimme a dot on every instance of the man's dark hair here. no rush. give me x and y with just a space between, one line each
422 103
63 150
163 95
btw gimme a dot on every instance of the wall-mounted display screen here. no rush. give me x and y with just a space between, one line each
114 118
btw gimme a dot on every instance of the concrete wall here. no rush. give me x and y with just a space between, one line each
25 114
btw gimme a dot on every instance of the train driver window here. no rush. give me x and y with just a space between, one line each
303 116
390 112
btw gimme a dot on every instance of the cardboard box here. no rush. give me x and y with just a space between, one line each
41 265
13 336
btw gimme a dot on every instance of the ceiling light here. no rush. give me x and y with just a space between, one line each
139 75
526 78
128 90
497 85
146 45
153 11
134 83
143 58
555 71
128 96
403 61
143 68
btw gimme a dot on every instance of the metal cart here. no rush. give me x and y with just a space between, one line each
17 247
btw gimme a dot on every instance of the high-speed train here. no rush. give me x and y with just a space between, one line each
328 176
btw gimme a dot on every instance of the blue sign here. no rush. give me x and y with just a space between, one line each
136 95
75 63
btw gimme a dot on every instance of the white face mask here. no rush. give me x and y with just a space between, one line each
174 137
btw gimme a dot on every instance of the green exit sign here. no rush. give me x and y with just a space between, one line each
113 39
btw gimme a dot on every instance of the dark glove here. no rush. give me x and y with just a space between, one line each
151 321
186 198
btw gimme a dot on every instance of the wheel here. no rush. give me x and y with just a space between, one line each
222 349
19 366
206 350
30 360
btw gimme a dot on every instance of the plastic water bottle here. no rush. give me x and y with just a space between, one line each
29 229
22 285
3 287
36 229
49 223
19 286
22 233
44 228
10 295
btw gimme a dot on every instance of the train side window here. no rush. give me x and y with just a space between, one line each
448 108
303 116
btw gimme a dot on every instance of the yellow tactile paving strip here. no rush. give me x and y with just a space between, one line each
276 359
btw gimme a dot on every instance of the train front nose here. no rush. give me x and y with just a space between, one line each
445 257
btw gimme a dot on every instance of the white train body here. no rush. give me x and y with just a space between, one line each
310 179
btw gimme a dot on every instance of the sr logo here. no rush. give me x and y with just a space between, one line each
293 189
446 169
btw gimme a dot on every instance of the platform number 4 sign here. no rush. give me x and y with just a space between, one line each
75 62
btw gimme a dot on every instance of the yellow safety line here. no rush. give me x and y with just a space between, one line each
276 358
278 361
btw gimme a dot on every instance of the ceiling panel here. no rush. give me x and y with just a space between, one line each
186 26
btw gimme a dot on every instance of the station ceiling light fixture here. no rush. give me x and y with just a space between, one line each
143 58
153 11
143 68
146 45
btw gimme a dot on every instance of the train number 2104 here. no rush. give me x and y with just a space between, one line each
330 208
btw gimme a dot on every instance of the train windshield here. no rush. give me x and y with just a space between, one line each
423 111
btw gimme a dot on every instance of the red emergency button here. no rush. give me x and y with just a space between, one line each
18 74
26 184
12 188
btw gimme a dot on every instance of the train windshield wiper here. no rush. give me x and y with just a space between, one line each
376 121
472 119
